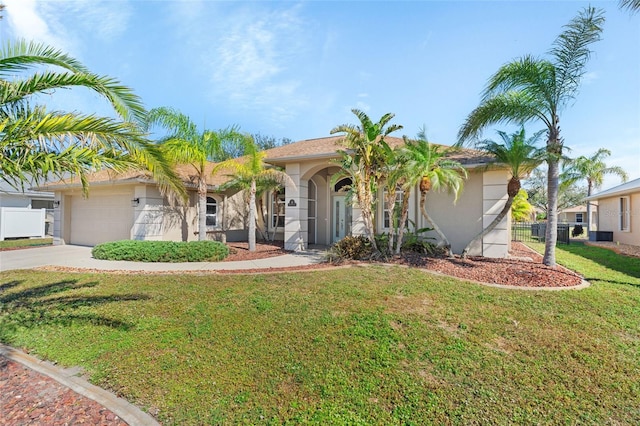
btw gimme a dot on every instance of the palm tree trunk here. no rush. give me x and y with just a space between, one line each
367 216
551 234
252 216
403 219
443 238
589 189
277 212
492 225
260 220
390 201
202 210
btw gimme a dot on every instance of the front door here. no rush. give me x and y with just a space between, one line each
341 223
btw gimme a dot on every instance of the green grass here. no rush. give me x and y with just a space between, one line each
349 346
27 242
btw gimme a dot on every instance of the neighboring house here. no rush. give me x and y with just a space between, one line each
619 212
577 215
315 211
12 197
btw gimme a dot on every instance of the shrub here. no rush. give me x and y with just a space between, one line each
353 247
577 231
161 251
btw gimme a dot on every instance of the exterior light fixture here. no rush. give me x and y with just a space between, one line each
56 204
135 202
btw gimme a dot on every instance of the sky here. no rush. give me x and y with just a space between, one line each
295 69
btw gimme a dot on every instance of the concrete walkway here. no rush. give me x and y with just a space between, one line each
80 257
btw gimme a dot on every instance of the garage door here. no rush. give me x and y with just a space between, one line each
100 218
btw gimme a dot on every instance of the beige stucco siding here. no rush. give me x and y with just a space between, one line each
459 221
609 218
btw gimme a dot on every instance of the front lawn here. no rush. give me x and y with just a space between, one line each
370 345
24 243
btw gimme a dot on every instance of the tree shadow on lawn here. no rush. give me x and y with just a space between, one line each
32 308
609 259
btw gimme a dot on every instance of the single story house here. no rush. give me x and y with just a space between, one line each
577 215
312 211
619 212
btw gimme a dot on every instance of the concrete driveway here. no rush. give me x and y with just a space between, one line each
80 257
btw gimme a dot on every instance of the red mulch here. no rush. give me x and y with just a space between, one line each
240 251
29 398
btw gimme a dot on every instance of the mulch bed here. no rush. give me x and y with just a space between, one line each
240 251
30 398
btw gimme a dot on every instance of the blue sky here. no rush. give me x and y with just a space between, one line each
295 69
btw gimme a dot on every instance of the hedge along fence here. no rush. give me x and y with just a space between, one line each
161 251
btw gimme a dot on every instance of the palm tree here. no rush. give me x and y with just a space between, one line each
367 145
426 165
521 156
592 169
36 144
185 144
252 169
530 90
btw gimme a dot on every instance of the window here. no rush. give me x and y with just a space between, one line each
212 211
311 212
342 185
624 213
396 212
579 218
42 204
277 209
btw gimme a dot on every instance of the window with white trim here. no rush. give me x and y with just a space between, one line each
277 209
212 212
625 214
386 217
579 218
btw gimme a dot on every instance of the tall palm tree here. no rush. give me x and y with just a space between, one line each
531 90
251 168
185 144
521 156
36 144
592 169
427 166
366 144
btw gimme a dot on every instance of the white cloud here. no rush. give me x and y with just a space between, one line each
67 25
246 52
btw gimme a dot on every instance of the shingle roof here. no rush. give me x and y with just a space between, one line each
302 150
327 147
186 172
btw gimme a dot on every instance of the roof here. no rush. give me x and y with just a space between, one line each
575 209
623 189
308 149
109 177
326 148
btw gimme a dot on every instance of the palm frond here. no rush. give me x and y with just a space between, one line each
511 107
571 50
22 55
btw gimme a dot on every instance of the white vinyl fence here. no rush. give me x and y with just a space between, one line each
21 222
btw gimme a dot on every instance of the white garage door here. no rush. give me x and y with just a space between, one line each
100 218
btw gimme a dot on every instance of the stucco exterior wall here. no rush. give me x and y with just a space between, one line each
609 219
459 221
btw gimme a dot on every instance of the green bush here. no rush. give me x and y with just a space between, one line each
161 251
352 247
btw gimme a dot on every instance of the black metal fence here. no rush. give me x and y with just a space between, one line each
535 232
